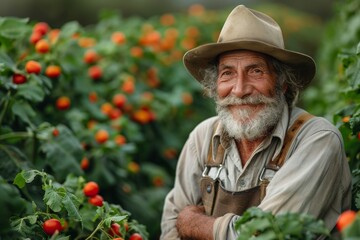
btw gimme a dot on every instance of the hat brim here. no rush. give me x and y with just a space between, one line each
202 57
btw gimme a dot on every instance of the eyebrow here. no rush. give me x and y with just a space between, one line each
251 65
225 66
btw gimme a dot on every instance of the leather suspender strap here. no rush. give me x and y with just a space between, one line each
276 163
219 153
288 140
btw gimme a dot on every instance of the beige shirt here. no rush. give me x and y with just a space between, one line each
315 178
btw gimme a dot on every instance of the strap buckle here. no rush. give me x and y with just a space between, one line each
271 167
207 169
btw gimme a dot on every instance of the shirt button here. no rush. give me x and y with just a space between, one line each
242 183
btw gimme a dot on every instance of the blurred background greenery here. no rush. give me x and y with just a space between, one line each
306 29
57 12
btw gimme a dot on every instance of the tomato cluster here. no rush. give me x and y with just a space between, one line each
91 190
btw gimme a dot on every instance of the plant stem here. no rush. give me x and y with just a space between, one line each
4 108
96 229
15 135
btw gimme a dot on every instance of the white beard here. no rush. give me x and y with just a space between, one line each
244 127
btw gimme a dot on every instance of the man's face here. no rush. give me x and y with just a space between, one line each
249 102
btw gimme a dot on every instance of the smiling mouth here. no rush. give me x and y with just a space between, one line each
244 106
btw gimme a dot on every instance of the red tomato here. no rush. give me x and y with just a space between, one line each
85 163
55 132
91 189
135 236
114 230
95 72
96 200
18 78
119 100
41 27
51 226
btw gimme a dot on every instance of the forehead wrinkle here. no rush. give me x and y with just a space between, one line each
247 64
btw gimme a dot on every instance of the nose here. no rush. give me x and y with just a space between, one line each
241 87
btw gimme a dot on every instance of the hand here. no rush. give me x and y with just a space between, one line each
192 223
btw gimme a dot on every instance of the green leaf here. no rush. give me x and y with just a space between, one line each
355 124
72 204
112 219
24 111
53 198
7 61
357 200
353 230
69 29
30 175
32 218
14 28
19 180
19 225
63 153
32 92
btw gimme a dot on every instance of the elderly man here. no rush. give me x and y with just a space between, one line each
261 150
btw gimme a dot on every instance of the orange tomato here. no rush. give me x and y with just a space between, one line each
106 108
346 119
101 136
128 86
120 139
118 38
136 52
33 67
53 71
42 46
345 219
63 103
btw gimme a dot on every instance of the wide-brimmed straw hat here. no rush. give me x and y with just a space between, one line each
248 29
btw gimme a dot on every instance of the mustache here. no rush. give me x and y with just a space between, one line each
251 100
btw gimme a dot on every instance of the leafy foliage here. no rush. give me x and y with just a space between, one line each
257 224
343 51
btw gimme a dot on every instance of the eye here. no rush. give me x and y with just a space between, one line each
226 74
256 72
